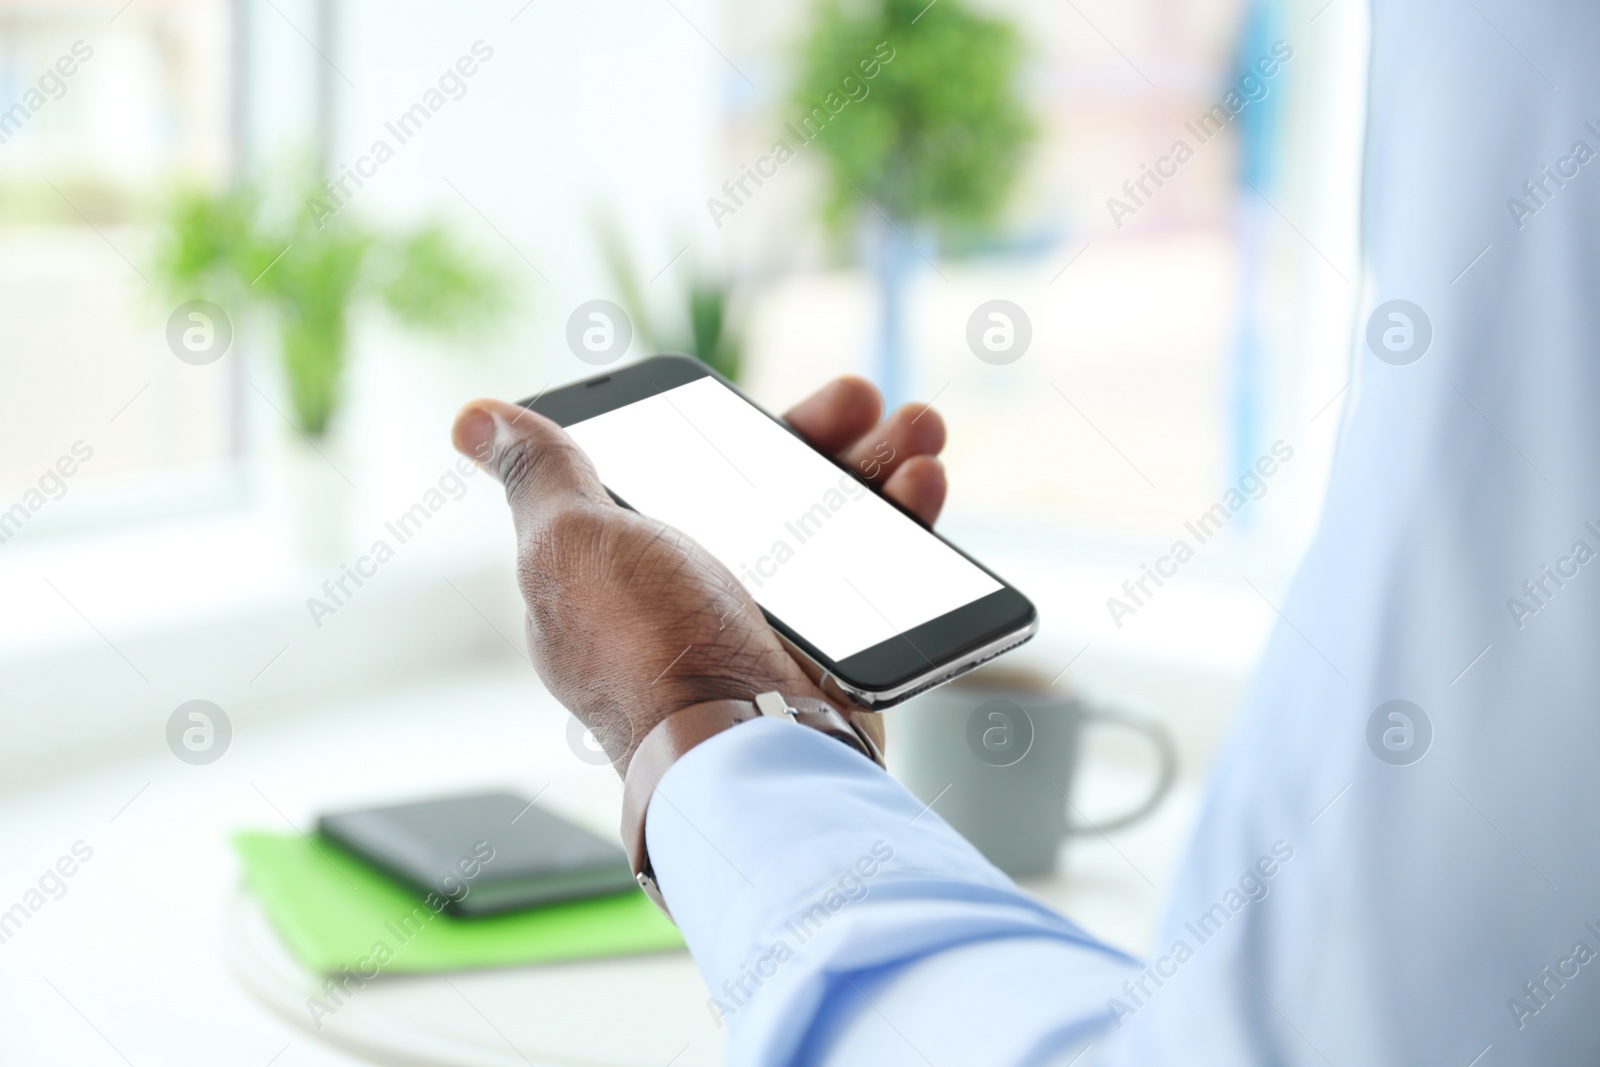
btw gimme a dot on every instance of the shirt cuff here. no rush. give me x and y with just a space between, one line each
790 862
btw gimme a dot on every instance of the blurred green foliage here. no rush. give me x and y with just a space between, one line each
711 339
249 251
942 132
701 324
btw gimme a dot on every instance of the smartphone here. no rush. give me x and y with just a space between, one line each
875 605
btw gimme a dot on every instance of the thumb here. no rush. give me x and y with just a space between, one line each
543 470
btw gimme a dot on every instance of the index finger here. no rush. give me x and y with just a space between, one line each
837 415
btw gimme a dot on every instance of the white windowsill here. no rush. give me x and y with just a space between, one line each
215 607
106 633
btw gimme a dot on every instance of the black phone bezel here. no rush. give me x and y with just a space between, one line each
881 668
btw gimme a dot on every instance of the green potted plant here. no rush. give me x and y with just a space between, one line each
929 144
268 259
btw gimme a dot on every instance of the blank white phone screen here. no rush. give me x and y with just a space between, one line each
814 546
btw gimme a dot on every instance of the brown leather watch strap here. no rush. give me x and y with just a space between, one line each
683 730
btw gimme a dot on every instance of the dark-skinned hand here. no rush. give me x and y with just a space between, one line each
630 620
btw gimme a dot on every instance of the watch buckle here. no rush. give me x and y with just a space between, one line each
647 882
775 706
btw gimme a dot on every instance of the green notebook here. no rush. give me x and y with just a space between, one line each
336 913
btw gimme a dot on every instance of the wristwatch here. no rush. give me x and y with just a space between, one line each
683 730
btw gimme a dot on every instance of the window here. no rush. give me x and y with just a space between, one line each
102 107
1181 325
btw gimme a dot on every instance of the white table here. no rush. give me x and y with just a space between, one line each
153 956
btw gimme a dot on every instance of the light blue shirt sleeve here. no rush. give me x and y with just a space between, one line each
836 919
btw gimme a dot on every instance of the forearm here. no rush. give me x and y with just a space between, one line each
810 886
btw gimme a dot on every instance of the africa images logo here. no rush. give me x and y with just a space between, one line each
1253 85
1399 332
1252 888
1399 732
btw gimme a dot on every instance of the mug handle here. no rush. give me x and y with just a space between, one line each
1166 752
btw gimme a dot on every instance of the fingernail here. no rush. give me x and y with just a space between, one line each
474 434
